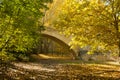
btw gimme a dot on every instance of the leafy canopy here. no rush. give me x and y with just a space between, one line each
20 25
93 23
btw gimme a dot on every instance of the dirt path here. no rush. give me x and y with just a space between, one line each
48 69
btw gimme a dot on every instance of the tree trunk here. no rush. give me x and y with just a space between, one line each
118 36
119 51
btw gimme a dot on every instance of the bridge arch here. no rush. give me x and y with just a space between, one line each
59 38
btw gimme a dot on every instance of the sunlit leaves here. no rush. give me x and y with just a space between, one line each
20 24
93 23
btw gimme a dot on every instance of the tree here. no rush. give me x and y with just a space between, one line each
53 11
93 23
20 25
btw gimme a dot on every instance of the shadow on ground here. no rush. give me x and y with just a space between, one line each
51 69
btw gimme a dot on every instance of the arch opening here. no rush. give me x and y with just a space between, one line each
60 42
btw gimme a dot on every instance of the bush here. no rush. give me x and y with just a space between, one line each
5 56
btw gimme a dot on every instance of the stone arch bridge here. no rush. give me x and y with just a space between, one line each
54 35
59 38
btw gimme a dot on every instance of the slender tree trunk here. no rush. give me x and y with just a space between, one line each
116 25
119 44
118 35
119 47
